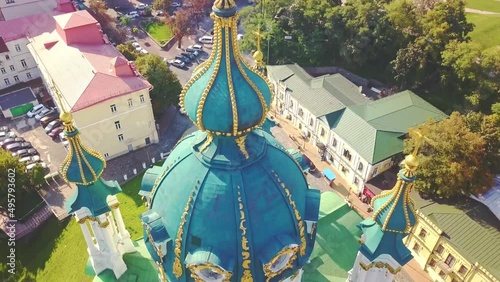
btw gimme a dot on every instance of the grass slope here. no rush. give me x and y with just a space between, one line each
160 32
485 5
486 30
57 251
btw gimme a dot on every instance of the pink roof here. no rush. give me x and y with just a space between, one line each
27 26
75 19
118 61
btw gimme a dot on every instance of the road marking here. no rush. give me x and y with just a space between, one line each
48 158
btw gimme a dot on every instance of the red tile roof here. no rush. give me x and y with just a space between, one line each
31 25
75 19
3 46
118 61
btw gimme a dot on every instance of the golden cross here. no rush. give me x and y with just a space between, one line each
58 94
420 140
259 37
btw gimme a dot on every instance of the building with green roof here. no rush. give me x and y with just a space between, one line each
359 136
456 241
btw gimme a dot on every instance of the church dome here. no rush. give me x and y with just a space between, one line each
225 96
217 213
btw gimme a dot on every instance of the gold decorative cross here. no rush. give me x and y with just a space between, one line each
420 140
58 94
259 37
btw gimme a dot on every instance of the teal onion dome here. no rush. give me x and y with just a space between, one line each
81 165
216 213
394 216
225 96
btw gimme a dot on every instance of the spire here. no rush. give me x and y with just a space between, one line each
394 210
258 56
82 165
226 97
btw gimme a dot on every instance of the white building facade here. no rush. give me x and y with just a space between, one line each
17 65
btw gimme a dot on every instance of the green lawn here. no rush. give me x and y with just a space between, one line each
486 30
160 32
57 251
485 5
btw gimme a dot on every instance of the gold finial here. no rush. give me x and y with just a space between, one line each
411 162
258 55
224 4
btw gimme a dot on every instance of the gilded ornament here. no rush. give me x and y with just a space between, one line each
195 269
178 242
155 247
240 141
292 252
247 276
161 272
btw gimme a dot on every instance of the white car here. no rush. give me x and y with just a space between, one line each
195 47
206 39
144 51
36 110
31 166
141 6
175 4
30 159
133 14
63 139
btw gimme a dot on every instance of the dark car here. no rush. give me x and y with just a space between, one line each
8 141
25 152
25 145
13 147
55 132
188 55
47 119
182 58
192 51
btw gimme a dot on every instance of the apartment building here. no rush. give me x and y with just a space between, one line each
14 9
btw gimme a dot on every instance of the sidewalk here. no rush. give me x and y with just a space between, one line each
411 271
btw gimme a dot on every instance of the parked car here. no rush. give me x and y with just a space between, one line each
175 4
45 112
53 124
182 58
30 159
13 147
25 145
31 166
132 14
178 63
194 52
131 38
141 6
144 51
8 141
6 135
188 55
35 110
120 8
63 139
4 128
25 152
206 39
47 119
195 47
55 132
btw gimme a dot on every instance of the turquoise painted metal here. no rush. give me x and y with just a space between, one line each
231 206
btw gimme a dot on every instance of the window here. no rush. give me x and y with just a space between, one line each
442 274
141 98
432 263
28 75
347 154
375 170
113 108
454 280
343 169
291 105
323 132
24 64
360 166
301 113
416 248
450 260
311 122
440 249
334 142
9 1
106 155
18 48
356 180
7 82
3 70
195 240
147 140
7 57
300 125
462 270
130 103
12 68
422 233
16 78
120 137
117 125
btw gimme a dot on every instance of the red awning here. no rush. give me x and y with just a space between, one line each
368 192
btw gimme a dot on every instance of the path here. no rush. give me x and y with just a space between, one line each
481 12
23 228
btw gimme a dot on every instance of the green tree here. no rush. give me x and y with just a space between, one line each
37 175
488 126
125 20
452 160
13 172
166 85
162 5
182 24
128 50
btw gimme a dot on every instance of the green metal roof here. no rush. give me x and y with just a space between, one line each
321 95
469 226
380 125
